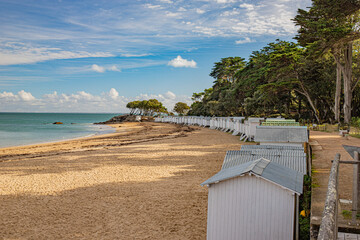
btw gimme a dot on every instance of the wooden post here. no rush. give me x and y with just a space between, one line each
328 227
355 192
356 159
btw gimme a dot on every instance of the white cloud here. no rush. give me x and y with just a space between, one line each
245 40
138 26
114 68
135 55
170 95
152 6
18 53
173 14
225 1
169 99
7 96
21 97
101 69
180 62
247 6
113 93
26 96
80 101
200 11
97 68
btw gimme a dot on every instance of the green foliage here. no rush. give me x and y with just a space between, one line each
146 107
355 121
226 69
305 203
181 108
346 214
279 79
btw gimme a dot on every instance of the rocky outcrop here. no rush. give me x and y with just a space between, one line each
128 118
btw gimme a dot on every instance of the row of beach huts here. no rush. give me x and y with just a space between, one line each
256 193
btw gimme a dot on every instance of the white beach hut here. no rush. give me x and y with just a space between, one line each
254 200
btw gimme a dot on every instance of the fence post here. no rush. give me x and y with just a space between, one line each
328 227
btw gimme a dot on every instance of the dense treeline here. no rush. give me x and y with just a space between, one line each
299 80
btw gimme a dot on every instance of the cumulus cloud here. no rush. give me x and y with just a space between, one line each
81 101
245 40
113 93
180 62
7 96
26 96
170 95
21 96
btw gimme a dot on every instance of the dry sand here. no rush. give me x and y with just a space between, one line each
142 182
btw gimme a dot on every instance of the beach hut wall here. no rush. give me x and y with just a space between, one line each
255 200
282 135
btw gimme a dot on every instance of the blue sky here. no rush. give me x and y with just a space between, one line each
95 56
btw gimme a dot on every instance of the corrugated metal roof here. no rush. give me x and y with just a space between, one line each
271 152
296 161
282 147
265 168
281 134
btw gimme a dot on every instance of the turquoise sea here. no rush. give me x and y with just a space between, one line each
29 128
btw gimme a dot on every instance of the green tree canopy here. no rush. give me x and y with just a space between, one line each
181 108
149 107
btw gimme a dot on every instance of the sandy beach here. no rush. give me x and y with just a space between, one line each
142 182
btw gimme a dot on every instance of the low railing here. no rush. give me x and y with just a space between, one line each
328 228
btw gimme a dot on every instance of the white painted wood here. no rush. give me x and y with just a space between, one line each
250 207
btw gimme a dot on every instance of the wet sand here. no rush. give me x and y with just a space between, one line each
142 182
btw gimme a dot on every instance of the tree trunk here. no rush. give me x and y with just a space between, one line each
347 74
337 92
307 95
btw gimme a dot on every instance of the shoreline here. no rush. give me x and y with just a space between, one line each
65 140
125 133
63 146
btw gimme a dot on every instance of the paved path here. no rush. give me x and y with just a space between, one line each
325 146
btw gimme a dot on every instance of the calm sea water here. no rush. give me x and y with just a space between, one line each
28 128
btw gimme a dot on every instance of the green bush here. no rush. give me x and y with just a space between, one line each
305 204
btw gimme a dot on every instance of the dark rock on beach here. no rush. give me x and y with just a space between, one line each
128 118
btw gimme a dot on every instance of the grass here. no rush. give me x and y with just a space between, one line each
348 214
355 135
